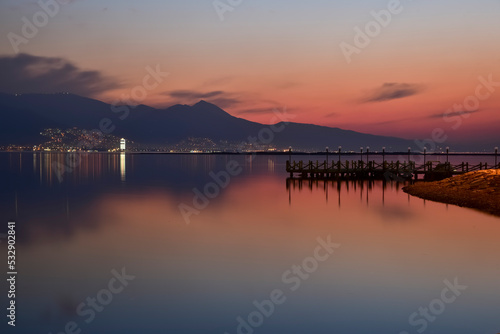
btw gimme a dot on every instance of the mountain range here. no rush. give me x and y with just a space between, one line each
24 116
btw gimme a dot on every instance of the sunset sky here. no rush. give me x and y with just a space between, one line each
268 54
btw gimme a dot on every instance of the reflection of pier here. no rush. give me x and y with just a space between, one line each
364 187
431 170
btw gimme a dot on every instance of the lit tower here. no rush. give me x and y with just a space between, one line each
123 144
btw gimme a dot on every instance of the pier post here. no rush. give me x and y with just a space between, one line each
496 157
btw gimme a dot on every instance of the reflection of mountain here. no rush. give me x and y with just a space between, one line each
23 117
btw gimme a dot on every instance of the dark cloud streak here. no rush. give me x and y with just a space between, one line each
220 98
332 114
190 94
256 111
26 73
393 91
453 113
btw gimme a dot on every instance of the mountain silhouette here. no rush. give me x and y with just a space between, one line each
24 116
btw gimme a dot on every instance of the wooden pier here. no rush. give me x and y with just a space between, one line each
431 170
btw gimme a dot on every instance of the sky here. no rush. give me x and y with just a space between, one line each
424 65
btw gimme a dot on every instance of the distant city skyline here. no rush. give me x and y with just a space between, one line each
340 64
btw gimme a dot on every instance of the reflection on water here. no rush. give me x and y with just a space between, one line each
55 168
121 210
123 167
337 187
270 165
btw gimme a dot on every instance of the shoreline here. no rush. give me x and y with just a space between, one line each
332 154
475 190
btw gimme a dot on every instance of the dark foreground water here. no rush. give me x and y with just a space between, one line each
103 247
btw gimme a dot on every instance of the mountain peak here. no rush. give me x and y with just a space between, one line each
203 103
205 107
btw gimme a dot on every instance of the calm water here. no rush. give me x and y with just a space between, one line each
392 255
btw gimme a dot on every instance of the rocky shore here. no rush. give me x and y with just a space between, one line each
478 190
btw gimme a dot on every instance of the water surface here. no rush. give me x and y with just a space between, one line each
112 211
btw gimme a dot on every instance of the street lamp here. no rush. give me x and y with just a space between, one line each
327 156
383 154
409 153
290 154
367 154
361 148
340 149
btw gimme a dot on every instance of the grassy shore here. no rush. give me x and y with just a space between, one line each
478 190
